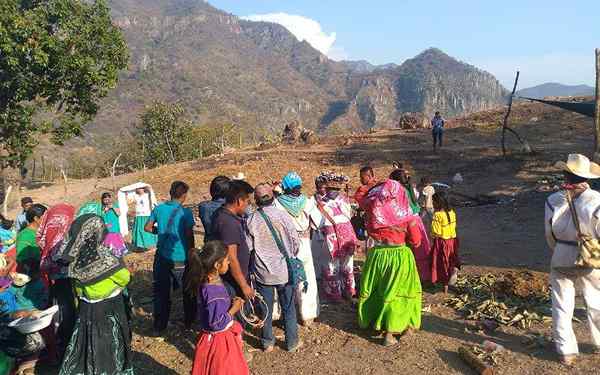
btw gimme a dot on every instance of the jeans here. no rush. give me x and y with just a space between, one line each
286 294
437 137
163 276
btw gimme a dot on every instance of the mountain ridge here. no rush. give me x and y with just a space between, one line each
555 89
259 76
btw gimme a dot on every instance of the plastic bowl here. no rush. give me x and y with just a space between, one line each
35 323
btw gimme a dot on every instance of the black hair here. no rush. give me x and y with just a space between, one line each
367 169
106 195
178 189
37 210
437 113
296 191
238 189
26 200
219 186
201 262
440 201
425 180
5 223
401 176
573 178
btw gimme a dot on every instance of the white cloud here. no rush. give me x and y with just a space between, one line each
557 67
306 29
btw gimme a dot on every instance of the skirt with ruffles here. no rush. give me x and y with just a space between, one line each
101 340
390 290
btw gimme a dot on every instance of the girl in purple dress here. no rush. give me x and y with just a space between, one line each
219 347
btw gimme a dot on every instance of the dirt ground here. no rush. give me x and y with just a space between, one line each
494 238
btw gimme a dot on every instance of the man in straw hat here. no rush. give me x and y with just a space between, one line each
562 237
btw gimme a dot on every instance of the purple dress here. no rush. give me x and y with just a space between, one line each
213 306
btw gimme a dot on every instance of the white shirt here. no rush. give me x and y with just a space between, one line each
561 234
142 205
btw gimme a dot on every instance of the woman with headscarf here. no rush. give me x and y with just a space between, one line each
50 235
332 220
299 209
390 290
142 240
101 340
422 252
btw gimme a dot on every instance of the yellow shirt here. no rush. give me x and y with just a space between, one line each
441 227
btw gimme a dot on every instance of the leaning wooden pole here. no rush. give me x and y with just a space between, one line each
597 113
505 124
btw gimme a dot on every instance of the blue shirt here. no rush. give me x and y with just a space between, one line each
172 220
206 211
8 305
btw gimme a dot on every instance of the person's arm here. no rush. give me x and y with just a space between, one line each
149 227
236 271
413 234
548 215
236 305
189 229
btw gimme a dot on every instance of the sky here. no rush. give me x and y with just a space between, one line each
548 41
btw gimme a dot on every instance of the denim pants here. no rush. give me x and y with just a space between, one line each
286 295
163 279
437 137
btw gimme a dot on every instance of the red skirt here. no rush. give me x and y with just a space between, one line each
444 258
220 353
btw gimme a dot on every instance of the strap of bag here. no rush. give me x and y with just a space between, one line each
574 214
274 233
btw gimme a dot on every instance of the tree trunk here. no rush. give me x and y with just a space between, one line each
597 114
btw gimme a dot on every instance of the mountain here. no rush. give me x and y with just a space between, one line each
259 76
556 89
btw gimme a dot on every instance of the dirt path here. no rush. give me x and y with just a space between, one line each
495 238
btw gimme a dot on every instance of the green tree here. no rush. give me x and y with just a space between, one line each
58 58
165 135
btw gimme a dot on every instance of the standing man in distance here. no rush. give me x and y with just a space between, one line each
228 225
437 126
218 187
174 227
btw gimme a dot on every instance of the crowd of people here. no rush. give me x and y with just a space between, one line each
270 251
272 242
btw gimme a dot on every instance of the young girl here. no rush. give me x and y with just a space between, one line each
219 347
445 260
110 214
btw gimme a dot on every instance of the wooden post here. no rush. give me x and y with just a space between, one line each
113 171
33 171
5 203
474 362
597 113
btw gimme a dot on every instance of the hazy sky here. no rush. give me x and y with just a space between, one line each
548 41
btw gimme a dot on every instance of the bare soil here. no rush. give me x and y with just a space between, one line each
495 238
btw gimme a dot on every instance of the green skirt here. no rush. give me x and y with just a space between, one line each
140 238
390 290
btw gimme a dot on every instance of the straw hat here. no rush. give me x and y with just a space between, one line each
581 166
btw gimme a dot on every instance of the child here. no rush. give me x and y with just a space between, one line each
219 347
110 214
445 260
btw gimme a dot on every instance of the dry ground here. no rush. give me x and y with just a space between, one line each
495 238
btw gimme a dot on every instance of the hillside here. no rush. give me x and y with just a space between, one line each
258 76
492 238
556 89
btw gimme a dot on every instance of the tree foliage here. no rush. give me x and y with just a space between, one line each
58 58
164 134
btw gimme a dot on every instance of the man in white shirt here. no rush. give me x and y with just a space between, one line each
562 237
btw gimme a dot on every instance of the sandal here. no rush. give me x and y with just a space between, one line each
389 340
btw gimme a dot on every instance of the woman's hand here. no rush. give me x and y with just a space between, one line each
236 305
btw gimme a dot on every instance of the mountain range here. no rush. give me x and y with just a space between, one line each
259 76
556 89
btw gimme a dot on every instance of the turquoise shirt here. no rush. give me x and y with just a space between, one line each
111 219
173 220
31 296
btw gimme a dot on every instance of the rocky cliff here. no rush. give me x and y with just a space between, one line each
259 76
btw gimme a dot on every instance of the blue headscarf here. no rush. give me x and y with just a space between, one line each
291 180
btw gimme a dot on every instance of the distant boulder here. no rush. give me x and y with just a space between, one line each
294 133
413 120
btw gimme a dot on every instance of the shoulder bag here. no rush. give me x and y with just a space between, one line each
589 247
296 272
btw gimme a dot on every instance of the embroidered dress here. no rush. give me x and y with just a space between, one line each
300 209
337 275
114 239
140 238
219 347
101 339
